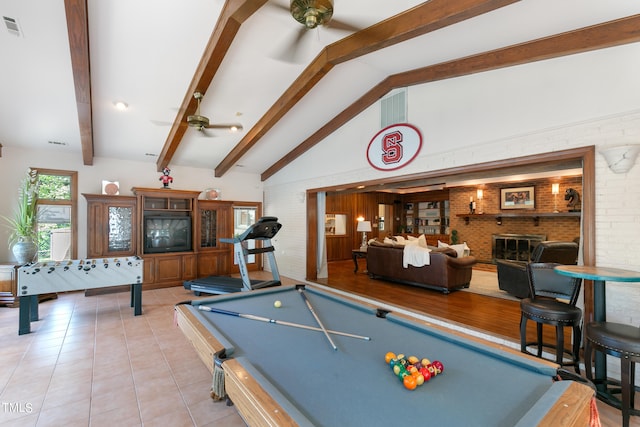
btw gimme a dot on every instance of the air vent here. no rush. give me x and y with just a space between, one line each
393 108
12 26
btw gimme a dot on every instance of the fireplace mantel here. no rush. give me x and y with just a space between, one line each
535 216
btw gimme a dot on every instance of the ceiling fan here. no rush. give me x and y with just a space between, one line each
311 14
201 123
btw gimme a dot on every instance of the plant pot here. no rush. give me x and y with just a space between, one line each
25 251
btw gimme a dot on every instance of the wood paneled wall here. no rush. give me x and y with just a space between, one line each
355 205
366 205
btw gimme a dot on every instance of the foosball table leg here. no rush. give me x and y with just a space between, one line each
28 313
136 298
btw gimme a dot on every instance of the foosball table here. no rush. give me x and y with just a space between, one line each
74 275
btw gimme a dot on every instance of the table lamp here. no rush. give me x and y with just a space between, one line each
364 227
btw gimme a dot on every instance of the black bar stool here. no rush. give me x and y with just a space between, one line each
546 306
617 340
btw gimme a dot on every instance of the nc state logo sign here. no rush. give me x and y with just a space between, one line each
394 147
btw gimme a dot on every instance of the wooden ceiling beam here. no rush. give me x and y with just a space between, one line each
78 32
422 19
600 36
234 13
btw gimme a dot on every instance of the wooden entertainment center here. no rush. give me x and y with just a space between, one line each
183 245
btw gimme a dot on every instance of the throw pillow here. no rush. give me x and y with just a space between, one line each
392 241
462 249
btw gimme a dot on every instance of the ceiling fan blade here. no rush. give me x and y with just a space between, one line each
161 123
291 51
227 126
336 24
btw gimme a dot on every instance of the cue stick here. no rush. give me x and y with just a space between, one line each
277 322
326 334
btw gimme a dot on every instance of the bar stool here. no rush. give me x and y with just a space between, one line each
617 340
544 308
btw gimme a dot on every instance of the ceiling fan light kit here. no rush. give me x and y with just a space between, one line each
197 121
312 13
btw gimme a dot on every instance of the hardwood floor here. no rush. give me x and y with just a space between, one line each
497 317
465 308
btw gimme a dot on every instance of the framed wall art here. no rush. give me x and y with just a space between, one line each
517 198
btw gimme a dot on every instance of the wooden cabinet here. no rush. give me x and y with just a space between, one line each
111 226
166 237
144 225
214 221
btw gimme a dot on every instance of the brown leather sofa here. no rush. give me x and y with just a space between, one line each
445 271
512 275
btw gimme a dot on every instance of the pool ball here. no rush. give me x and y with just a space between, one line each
277 304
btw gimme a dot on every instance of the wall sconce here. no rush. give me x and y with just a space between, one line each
480 194
621 158
555 189
364 227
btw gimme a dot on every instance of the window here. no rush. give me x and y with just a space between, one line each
57 215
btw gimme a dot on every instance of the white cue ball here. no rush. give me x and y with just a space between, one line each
277 304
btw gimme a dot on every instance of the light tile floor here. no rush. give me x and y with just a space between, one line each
90 362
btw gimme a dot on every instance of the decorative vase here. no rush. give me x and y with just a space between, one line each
25 251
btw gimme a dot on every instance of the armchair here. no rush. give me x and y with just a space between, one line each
512 275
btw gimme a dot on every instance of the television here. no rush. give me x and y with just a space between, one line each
167 234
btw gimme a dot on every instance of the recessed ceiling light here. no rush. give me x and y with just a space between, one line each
121 105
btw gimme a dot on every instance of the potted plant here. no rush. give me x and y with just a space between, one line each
23 237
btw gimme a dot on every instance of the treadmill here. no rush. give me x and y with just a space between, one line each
264 229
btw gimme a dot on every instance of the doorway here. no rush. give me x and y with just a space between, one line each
385 220
583 157
245 215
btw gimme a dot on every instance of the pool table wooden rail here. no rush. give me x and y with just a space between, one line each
258 408
254 404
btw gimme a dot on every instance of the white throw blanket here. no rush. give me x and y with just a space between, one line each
415 255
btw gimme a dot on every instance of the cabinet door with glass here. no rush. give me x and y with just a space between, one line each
111 225
214 222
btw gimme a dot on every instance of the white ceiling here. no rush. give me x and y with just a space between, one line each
145 53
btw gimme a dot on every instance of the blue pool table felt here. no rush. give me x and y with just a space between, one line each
480 385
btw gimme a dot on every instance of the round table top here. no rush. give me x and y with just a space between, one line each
598 273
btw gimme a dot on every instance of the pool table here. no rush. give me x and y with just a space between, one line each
282 375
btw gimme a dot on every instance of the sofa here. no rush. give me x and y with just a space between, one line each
512 275
445 272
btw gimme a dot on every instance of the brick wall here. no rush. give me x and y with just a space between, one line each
478 232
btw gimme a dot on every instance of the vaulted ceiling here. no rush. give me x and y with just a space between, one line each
68 62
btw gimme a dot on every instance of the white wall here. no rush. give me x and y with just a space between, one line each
15 162
581 100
